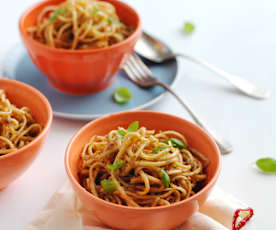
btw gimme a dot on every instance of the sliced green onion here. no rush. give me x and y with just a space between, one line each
177 143
110 20
115 166
121 133
188 28
133 127
165 178
267 164
108 186
159 148
95 9
57 13
121 95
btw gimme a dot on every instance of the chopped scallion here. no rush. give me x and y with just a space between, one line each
95 9
110 20
115 166
159 148
121 133
165 178
108 186
133 127
177 143
57 13
267 165
121 95
188 28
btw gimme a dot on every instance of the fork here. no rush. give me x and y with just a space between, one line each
141 75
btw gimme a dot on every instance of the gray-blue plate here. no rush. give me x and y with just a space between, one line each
17 65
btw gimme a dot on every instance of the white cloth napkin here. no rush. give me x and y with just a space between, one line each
64 211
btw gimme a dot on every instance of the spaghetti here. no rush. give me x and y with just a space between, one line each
79 24
138 167
17 126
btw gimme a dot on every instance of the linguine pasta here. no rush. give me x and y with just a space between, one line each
79 24
17 126
139 167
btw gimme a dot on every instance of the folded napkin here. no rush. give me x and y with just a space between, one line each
64 211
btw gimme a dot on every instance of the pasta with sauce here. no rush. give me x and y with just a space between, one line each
17 126
139 167
79 24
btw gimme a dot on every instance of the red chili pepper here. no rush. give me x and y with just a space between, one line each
244 220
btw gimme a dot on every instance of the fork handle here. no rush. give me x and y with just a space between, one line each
242 85
224 145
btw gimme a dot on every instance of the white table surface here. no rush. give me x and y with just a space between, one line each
238 36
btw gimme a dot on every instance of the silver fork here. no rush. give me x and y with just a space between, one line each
140 74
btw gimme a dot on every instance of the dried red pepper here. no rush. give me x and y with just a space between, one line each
244 220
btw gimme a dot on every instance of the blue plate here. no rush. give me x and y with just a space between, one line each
19 66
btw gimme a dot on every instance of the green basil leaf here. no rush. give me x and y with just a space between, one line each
109 186
165 178
177 143
267 164
121 95
133 127
57 13
188 28
159 148
115 166
121 133
110 20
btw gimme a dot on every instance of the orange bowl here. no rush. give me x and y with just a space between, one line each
13 164
133 218
79 71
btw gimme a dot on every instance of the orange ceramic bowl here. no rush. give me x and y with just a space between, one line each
13 164
142 218
79 71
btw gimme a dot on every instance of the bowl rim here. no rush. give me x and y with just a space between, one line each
208 186
47 124
29 10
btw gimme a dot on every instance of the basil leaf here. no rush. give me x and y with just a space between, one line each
159 148
121 133
121 95
133 127
108 186
188 28
177 143
110 20
57 13
165 178
115 166
267 164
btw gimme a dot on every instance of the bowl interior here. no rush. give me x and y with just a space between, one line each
125 13
22 95
196 137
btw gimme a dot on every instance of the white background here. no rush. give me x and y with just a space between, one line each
238 36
